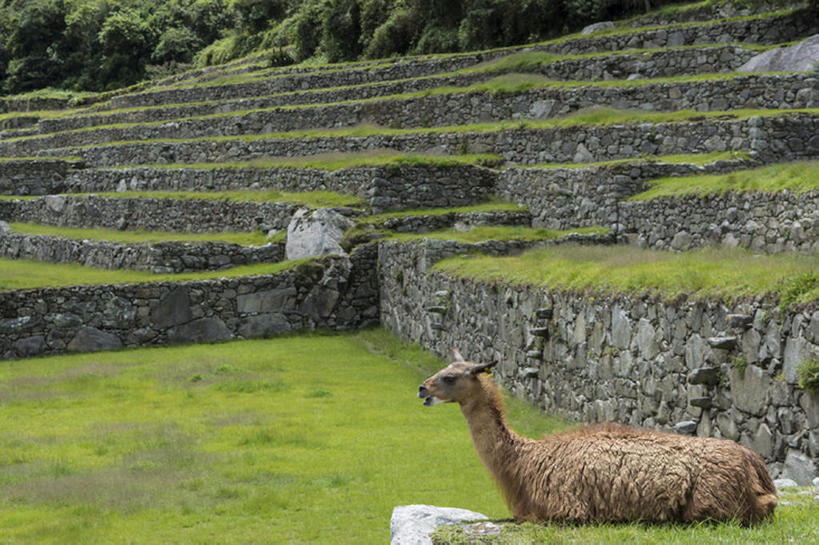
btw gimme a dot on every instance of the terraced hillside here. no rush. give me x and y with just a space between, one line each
614 159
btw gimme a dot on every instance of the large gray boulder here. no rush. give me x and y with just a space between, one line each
412 524
800 57
90 339
314 234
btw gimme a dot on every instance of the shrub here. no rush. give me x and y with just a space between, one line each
340 30
394 36
809 375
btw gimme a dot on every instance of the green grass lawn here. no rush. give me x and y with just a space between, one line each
798 177
140 237
19 274
295 440
722 273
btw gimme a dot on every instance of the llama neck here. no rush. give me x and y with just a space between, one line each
497 445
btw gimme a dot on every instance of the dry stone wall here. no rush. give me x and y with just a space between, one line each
784 137
383 188
707 367
32 176
336 293
158 257
749 91
181 215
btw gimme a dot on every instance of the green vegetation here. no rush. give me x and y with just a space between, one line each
310 439
798 177
19 274
793 522
689 158
313 199
484 233
339 161
809 375
728 274
138 237
591 116
491 206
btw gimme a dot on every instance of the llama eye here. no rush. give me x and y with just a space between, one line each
449 379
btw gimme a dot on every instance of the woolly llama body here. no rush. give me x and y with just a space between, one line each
606 472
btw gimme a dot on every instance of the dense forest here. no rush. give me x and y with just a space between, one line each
96 45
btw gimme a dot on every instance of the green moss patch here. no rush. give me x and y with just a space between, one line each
798 177
314 199
727 274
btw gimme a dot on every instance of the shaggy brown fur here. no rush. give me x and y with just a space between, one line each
605 472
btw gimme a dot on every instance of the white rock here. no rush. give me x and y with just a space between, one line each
597 27
781 484
412 524
55 203
315 234
816 482
4 228
799 57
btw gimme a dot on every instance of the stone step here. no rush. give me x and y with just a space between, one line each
650 64
785 135
158 257
719 93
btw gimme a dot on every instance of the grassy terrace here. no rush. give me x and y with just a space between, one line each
19 274
138 237
799 177
699 274
265 441
338 161
593 116
494 205
505 83
313 199
699 159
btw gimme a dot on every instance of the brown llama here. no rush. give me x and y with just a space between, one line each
606 472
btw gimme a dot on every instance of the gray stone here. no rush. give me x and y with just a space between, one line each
739 320
265 301
202 330
799 57
55 203
620 328
597 27
319 303
30 346
796 351
173 310
762 441
705 375
582 155
782 484
4 228
723 343
750 389
264 325
701 402
318 233
412 524
681 241
799 467
90 339
646 339
686 427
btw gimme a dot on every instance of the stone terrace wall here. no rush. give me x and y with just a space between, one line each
181 215
159 257
783 138
384 188
762 30
653 64
633 359
751 91
32 177
764 222
315 80
336 293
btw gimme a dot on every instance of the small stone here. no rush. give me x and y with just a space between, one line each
412 524
704 375
739 320
686 427
723 343
597 27
701 402
5 228
539 331
781 484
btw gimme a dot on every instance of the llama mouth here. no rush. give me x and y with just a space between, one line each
432 400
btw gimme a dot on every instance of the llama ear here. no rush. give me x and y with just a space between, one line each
483 368
457 355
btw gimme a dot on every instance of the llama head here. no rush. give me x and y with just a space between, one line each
454 383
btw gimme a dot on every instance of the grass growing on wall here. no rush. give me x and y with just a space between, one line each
723 273
294 440
486 233
682 158
138 237
313 199
798 177
17 274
